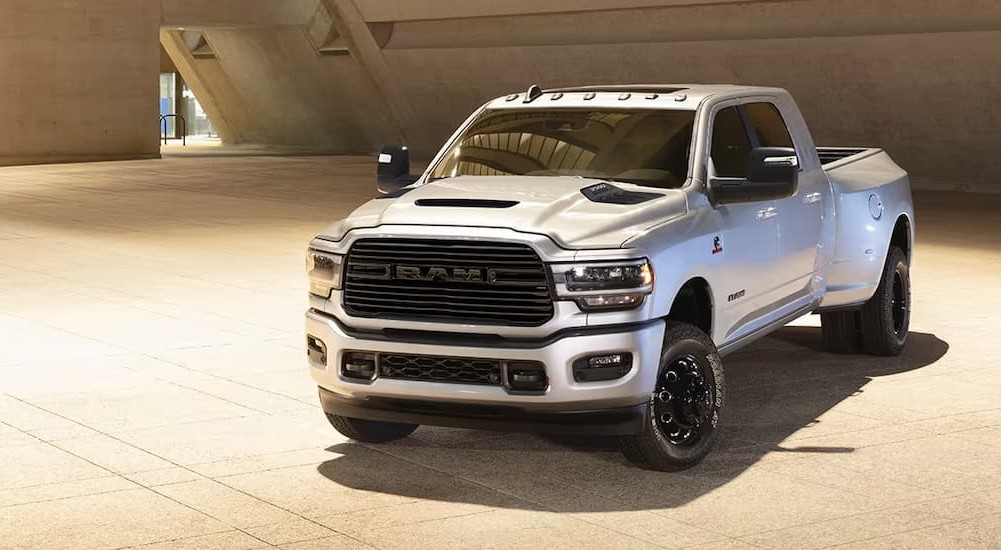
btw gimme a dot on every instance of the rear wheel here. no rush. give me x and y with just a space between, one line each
370 431
886 317
685 407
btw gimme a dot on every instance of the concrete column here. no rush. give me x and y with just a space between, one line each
78 80
178 104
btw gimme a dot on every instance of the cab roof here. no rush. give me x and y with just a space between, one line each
678 95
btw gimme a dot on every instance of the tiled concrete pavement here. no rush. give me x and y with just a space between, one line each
154 393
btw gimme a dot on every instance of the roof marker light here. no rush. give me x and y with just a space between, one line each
625 96
556 96
533 93
589 96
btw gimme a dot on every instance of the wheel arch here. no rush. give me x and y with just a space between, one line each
693 304
902 237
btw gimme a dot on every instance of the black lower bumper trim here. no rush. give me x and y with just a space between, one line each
601 422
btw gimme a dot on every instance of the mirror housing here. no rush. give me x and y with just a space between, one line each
394 169
772 173
773 165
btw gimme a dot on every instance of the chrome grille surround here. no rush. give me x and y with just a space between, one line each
447 280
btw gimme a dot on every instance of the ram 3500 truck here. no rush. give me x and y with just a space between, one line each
578 260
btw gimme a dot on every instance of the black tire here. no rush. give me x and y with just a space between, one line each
659 446
842 331
886 317
370 431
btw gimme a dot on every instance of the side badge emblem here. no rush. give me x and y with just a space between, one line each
717 244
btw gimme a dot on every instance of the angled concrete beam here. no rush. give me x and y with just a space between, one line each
366 52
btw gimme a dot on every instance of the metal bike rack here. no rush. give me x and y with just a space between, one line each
184 128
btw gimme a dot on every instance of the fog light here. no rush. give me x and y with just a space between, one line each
599 368
316 350
358 365
526 376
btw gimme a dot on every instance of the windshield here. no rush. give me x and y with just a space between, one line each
645 147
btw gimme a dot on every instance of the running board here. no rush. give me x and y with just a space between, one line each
727 349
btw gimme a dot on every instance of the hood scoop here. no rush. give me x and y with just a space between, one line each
610 194
465 203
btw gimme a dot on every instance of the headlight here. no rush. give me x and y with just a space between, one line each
604 286
324 270
609 277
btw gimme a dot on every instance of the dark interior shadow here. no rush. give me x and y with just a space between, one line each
779 386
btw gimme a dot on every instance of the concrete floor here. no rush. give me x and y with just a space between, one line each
154 391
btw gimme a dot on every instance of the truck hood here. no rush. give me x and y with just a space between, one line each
552 206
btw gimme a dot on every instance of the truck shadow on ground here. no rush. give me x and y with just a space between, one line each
781 390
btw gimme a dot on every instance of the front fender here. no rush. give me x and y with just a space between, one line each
681 250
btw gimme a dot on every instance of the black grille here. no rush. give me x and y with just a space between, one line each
440 369
451 281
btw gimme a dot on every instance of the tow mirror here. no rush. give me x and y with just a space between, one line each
772 173
394 169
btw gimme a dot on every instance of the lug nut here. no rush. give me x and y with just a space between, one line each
665 396
666 418
671 376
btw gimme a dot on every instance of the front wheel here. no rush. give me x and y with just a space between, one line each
685 407
370 431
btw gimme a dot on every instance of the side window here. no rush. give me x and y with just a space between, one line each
731 148
768 125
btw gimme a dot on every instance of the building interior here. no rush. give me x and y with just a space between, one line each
166 162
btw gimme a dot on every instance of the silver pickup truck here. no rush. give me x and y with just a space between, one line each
579 260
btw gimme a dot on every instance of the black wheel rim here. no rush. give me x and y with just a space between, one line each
683 400
898 305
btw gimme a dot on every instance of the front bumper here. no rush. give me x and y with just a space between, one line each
614 406
616 421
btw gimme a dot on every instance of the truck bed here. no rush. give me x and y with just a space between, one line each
833 155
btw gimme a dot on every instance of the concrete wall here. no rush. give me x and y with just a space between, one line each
424 10
921 78
78 80
235 13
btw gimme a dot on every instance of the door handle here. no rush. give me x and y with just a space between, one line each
767 213
812 198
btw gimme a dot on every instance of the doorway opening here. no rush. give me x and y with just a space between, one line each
182 118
